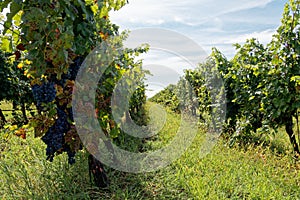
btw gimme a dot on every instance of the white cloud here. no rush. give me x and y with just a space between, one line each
263 37
225 42
210 23
165 67
190 12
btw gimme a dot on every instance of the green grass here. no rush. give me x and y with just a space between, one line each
7 108
254 172
4 105
236 174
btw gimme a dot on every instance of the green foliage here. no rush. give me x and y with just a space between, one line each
122 85
185 94
15 85
263 78
51 36
168 98
261 83
246 83
205 92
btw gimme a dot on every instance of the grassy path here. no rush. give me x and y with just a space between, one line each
225 173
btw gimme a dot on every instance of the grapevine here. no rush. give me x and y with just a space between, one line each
55 37
261 82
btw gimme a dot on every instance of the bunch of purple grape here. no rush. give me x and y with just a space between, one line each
46 93
54 137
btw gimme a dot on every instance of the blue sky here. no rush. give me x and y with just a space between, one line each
210 23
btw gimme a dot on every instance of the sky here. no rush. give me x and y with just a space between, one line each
210 23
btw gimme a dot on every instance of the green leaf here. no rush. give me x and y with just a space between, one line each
6 44
114 133
15 7
4 4
251 98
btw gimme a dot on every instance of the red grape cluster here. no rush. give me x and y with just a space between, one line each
54 138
